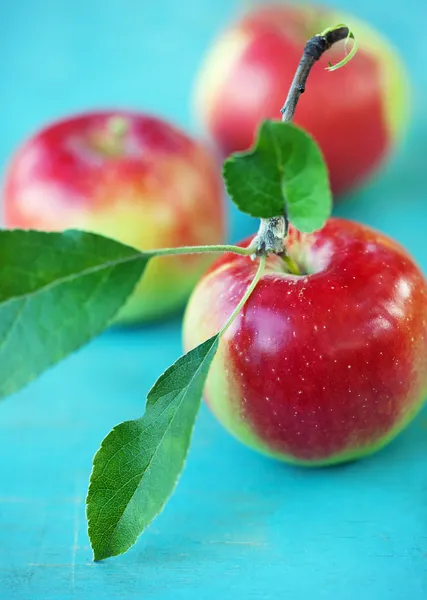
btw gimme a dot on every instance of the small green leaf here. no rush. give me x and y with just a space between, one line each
139 462
348 56
57 291
285 168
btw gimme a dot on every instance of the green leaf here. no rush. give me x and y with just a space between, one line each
347 58
285 168
139 462
57 291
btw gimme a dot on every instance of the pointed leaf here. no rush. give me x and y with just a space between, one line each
284 168
139 462
57 291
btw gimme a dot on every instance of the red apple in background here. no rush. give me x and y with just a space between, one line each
356 114
323 367
128 176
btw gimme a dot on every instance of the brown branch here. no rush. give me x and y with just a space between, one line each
314 48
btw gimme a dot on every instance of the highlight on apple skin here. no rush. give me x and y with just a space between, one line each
322 367
357 114
128 176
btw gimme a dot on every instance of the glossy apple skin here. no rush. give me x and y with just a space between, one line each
321 368
149 187
356 113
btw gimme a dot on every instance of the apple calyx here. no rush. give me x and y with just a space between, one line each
111 141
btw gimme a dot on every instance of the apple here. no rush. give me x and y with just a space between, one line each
128 176
355 114
322 367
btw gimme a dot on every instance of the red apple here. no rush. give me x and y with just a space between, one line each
128 176
356 114
323 367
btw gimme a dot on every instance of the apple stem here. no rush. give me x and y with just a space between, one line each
291 265
273 232
271 235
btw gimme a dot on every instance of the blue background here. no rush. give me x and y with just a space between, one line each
238 525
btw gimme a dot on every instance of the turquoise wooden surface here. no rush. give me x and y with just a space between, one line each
239 526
